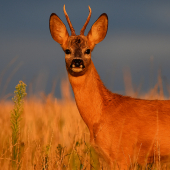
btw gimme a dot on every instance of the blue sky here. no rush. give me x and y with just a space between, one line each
138 32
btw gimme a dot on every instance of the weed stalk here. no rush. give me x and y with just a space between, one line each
16 113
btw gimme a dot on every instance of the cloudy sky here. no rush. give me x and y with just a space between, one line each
138 39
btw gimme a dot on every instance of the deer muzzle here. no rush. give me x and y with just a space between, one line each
77 65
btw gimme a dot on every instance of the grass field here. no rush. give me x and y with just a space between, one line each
52 134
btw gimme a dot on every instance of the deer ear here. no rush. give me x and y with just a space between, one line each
98 30
58 30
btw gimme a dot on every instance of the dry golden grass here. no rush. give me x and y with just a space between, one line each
52 132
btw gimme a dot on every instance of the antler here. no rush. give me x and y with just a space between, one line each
69 22
87 21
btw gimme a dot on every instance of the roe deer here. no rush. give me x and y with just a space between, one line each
123 130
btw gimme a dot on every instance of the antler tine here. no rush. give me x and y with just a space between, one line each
86 23
69 22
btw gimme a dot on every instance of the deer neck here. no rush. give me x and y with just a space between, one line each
88 90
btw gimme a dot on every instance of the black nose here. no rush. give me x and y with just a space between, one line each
77 62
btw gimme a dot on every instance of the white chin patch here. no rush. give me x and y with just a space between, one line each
77 69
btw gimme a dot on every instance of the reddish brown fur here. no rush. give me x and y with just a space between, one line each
123 130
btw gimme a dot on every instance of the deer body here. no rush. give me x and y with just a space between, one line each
123 130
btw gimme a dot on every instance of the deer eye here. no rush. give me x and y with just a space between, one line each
67 51
87 51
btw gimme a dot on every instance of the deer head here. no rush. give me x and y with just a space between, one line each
78 48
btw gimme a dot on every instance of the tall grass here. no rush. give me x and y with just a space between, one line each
51 134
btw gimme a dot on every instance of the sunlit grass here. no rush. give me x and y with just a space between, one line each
53 134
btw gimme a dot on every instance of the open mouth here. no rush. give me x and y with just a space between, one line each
77 65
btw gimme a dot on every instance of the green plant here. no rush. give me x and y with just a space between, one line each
16 113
